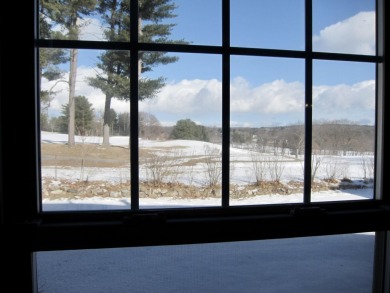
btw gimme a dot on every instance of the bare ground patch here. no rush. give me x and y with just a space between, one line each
87 155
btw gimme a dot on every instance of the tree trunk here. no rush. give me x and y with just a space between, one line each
72 88
106 135
106 121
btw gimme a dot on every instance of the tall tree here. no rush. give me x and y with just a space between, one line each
114 80
68 13
49 59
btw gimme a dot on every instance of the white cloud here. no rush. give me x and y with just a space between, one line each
274 97
187 96
355 35
344 97
203 98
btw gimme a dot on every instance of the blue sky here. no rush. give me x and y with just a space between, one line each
264 91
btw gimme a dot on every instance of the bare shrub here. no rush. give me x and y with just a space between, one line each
213 161
316 162
335 169
85 148
368 166
259 166
162 168
275 168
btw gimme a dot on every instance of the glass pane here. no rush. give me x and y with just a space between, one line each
195 22
268 24
266 130
84 20
323 264
343 129
344 26
179 133
88 158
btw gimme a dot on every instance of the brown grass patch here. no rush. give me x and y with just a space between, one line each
87 155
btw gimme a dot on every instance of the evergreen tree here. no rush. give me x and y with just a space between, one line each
188 129
68 13
83 116
49 59
114 81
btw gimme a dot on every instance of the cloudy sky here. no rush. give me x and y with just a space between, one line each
264 91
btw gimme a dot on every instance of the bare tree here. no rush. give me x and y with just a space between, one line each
149 126
295 139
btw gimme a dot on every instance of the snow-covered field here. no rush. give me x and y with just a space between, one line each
242 174
241 160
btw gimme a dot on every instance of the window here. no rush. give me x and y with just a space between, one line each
287 114
286 108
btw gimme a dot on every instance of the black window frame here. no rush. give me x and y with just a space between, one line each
26 229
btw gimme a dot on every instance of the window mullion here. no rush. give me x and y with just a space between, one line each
381 280
133 143
379 192
225 102
308 100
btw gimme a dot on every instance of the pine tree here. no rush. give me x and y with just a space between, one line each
84 115
188 129
49 59
68 13
114 81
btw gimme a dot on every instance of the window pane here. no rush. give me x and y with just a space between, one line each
343 26
195 22
267 130
344 129
268 24
84 20
180 150
336 263
82 164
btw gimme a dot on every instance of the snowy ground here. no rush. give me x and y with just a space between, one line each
241 174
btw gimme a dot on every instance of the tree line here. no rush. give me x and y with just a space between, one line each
339 137
87 123
328 137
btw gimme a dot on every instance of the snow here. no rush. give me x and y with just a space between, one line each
337 263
